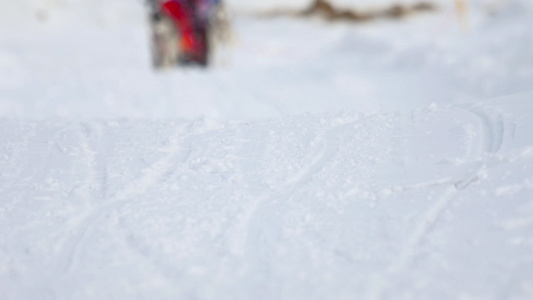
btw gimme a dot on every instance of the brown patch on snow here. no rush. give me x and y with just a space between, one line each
325 10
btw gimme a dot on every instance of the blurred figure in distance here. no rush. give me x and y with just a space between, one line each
184 31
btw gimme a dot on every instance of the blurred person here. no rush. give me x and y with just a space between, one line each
182 31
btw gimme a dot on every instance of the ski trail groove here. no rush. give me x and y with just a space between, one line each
90 159
306 173
260 226
149 177
427 184
492 128
491 141
409 252
329 145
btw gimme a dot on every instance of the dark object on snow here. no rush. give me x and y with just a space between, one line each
324 9
184 32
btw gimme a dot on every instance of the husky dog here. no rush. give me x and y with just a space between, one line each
165 44
220 33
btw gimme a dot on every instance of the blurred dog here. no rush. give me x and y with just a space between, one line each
165 42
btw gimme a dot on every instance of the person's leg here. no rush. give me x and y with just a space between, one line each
201 27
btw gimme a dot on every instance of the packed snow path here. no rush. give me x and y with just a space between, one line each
383 161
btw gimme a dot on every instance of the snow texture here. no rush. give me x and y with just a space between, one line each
384 160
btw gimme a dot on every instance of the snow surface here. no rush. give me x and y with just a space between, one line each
384 160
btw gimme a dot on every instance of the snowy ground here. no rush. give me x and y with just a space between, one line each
387 160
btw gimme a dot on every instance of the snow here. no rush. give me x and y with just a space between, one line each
382 160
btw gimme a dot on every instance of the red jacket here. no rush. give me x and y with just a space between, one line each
186 17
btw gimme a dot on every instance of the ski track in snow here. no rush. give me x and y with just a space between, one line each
483 144
150 177
492 130
262 205
256 228
491 133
